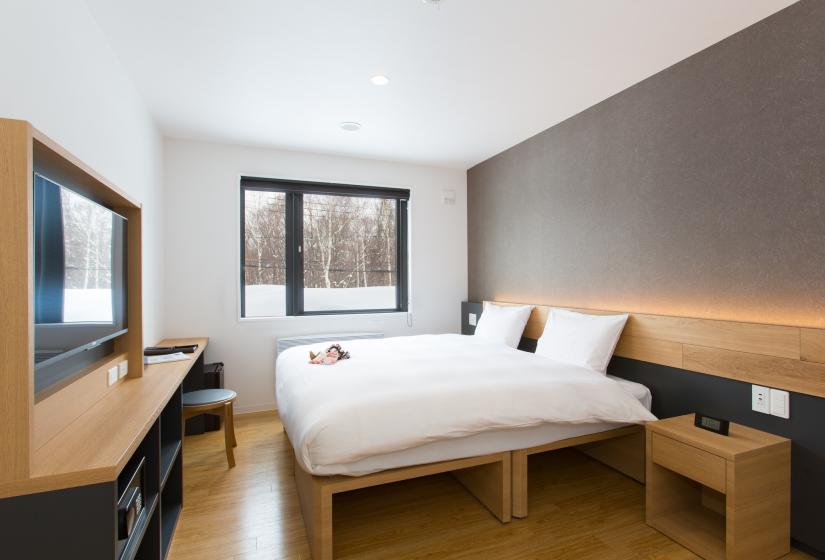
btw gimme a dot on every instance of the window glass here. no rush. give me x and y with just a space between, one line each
264 253
350 257
322 248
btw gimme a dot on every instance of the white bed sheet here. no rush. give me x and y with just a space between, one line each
485 443
419 399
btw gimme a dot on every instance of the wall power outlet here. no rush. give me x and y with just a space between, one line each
760 399
111 377
780 403
771 401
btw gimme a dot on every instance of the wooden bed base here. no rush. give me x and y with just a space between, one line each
621 448
487 477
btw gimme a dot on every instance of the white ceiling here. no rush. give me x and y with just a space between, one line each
470 78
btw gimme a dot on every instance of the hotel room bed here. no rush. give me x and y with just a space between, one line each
405 407
483 443
421 399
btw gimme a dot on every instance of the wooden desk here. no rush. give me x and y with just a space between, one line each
723 497
96 446
68 507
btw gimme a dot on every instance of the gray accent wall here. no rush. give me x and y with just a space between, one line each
698 192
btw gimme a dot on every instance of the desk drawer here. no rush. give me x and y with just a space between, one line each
701 466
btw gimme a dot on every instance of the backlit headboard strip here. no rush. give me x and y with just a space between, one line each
790 358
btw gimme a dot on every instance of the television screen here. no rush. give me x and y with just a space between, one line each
79 279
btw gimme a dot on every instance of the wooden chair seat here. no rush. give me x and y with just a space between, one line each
218 402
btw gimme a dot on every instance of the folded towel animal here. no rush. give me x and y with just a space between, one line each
330 357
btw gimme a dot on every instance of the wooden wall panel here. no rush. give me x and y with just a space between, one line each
786 357
57 411
792 375
132 342
535 324
813 345
770 340
65 168
16 303
651 350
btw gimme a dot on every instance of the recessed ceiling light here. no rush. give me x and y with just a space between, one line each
350 126
433 2
380 80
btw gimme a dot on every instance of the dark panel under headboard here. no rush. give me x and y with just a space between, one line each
676 392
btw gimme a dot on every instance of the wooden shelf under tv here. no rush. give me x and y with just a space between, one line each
29 425
81 474
96 446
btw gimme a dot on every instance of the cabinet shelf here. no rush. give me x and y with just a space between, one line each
699 529
171 503
168 522
132 547
168 453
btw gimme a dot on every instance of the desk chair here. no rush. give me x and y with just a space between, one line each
218 402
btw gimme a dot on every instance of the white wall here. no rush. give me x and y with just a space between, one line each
202 224
59 73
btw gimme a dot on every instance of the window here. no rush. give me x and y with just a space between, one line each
318 248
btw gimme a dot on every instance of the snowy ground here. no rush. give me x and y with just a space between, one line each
87 306
270 301
261 301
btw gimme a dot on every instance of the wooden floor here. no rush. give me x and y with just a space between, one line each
579 509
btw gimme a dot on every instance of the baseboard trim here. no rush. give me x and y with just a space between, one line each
254 408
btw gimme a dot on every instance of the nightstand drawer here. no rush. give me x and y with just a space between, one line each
701 466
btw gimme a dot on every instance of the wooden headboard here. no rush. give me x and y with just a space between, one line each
790 358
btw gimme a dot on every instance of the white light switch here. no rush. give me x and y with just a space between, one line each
780 403
122 369
760 399
473 319
111 379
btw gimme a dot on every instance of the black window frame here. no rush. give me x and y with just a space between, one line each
294 191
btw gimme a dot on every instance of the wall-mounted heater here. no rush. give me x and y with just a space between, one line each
290 341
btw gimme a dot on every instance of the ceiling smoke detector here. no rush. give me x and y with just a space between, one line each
350 126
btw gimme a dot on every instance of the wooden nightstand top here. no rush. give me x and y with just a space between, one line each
741 441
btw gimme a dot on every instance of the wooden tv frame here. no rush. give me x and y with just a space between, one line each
27 425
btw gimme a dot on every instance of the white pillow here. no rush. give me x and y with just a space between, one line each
503 323
582 340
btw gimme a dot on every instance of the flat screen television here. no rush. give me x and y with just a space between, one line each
79 280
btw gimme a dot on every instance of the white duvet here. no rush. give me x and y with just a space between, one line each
399 393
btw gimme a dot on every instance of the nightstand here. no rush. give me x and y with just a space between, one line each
723 497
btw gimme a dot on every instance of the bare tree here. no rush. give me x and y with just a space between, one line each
265 238
348 241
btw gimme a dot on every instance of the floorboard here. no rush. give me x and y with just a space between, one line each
579 509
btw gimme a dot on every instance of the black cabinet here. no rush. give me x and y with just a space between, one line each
82 522
203 376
